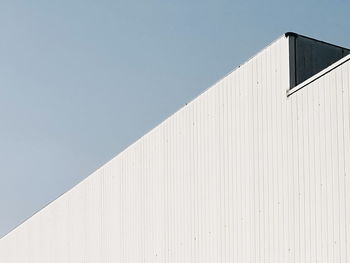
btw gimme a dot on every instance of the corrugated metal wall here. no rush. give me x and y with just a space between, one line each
241 174
319 169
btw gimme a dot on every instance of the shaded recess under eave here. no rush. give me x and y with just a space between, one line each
308 56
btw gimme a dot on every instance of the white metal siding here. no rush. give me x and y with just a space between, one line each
241 174
320 168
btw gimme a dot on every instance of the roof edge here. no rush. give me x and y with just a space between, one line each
293 34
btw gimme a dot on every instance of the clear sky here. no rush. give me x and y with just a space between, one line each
81 80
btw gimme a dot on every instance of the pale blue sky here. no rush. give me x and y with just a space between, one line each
81 80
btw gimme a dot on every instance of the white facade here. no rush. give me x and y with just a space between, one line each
247 172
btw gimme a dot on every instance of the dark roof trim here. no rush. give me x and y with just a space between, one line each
292 34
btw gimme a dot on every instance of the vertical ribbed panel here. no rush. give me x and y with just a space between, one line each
321 160
240 174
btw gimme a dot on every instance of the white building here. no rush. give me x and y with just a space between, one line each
256 169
